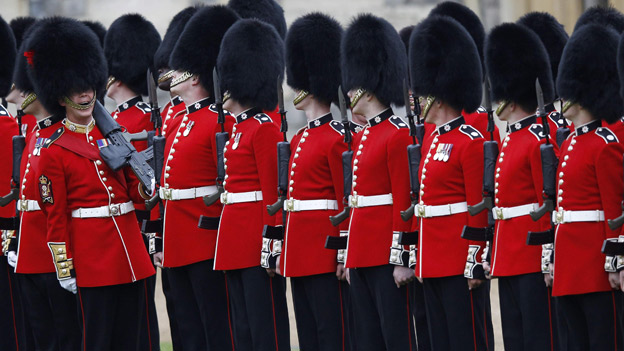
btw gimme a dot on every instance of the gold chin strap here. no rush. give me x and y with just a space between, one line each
566 106
226 96
501 107
300 97
79 128
80 107
110 81
429 100
357 96
166 76
182 78
29 100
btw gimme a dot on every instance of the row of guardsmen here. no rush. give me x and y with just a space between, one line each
389 228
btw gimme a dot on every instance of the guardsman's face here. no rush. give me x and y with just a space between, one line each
16 97
358 108
83 99
164 84
179 88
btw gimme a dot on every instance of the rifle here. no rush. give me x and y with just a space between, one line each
413 151
156 139
283 156
347 159
221 138
19 143
562 132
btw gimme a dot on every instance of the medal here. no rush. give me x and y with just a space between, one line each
447 152
188 128
437 154
236 140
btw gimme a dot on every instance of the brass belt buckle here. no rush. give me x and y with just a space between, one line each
290 205
23 205
224 197
420 210
559 216
115 210
499 213
167 193
354 201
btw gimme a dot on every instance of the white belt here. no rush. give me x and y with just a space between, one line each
425 211
293 205
228 198
104 211
503 213
28 205
186 194
562 216
367 201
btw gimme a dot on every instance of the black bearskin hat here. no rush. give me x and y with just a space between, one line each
588 71
129 46
514 58
313 56
268 11
65 57
198 46
550 32
98 29
467 18
444 63
373 58
602 15
405 35
7 61
20 25
250 61
176 26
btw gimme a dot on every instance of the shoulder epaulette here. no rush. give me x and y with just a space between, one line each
263 118
537 130
144 107
607 135
556 117
4 112
213 108
397 122
54 137
481 109
470 131
337 126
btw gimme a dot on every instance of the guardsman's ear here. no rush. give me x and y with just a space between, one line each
195 79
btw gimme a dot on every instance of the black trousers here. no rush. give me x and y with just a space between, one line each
201 307
150 334
457 317
13 331
560 329
320 312
383 315
259 311
52 313
526 313
420 317
592 320
176 339
112 316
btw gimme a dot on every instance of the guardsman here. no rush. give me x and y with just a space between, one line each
316 189
199 292
589 189
374 66
92 232
257 296
50 309
524 298
451 175
553 37
129 47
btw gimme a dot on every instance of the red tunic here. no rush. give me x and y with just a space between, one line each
105 251
380 167
518 182
174 108
477 119
191 162
251 163
315 174
8 128
441 250
589 177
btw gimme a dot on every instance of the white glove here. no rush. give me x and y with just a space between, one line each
12 258
69 285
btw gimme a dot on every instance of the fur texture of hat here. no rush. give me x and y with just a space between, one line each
514 58
176 26
20 25
373 58
268 11
250 61
588 71
98 28
129 46
444 63
198 46
7 61
313 56
405 33
65 57
602 15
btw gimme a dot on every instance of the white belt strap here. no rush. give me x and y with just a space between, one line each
228 198
186 194
425 211
104 211
368 201
28 205
503 213
293 205
562 216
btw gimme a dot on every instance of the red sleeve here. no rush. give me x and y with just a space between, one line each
472 168
264 147
398 167
609 178
334 158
